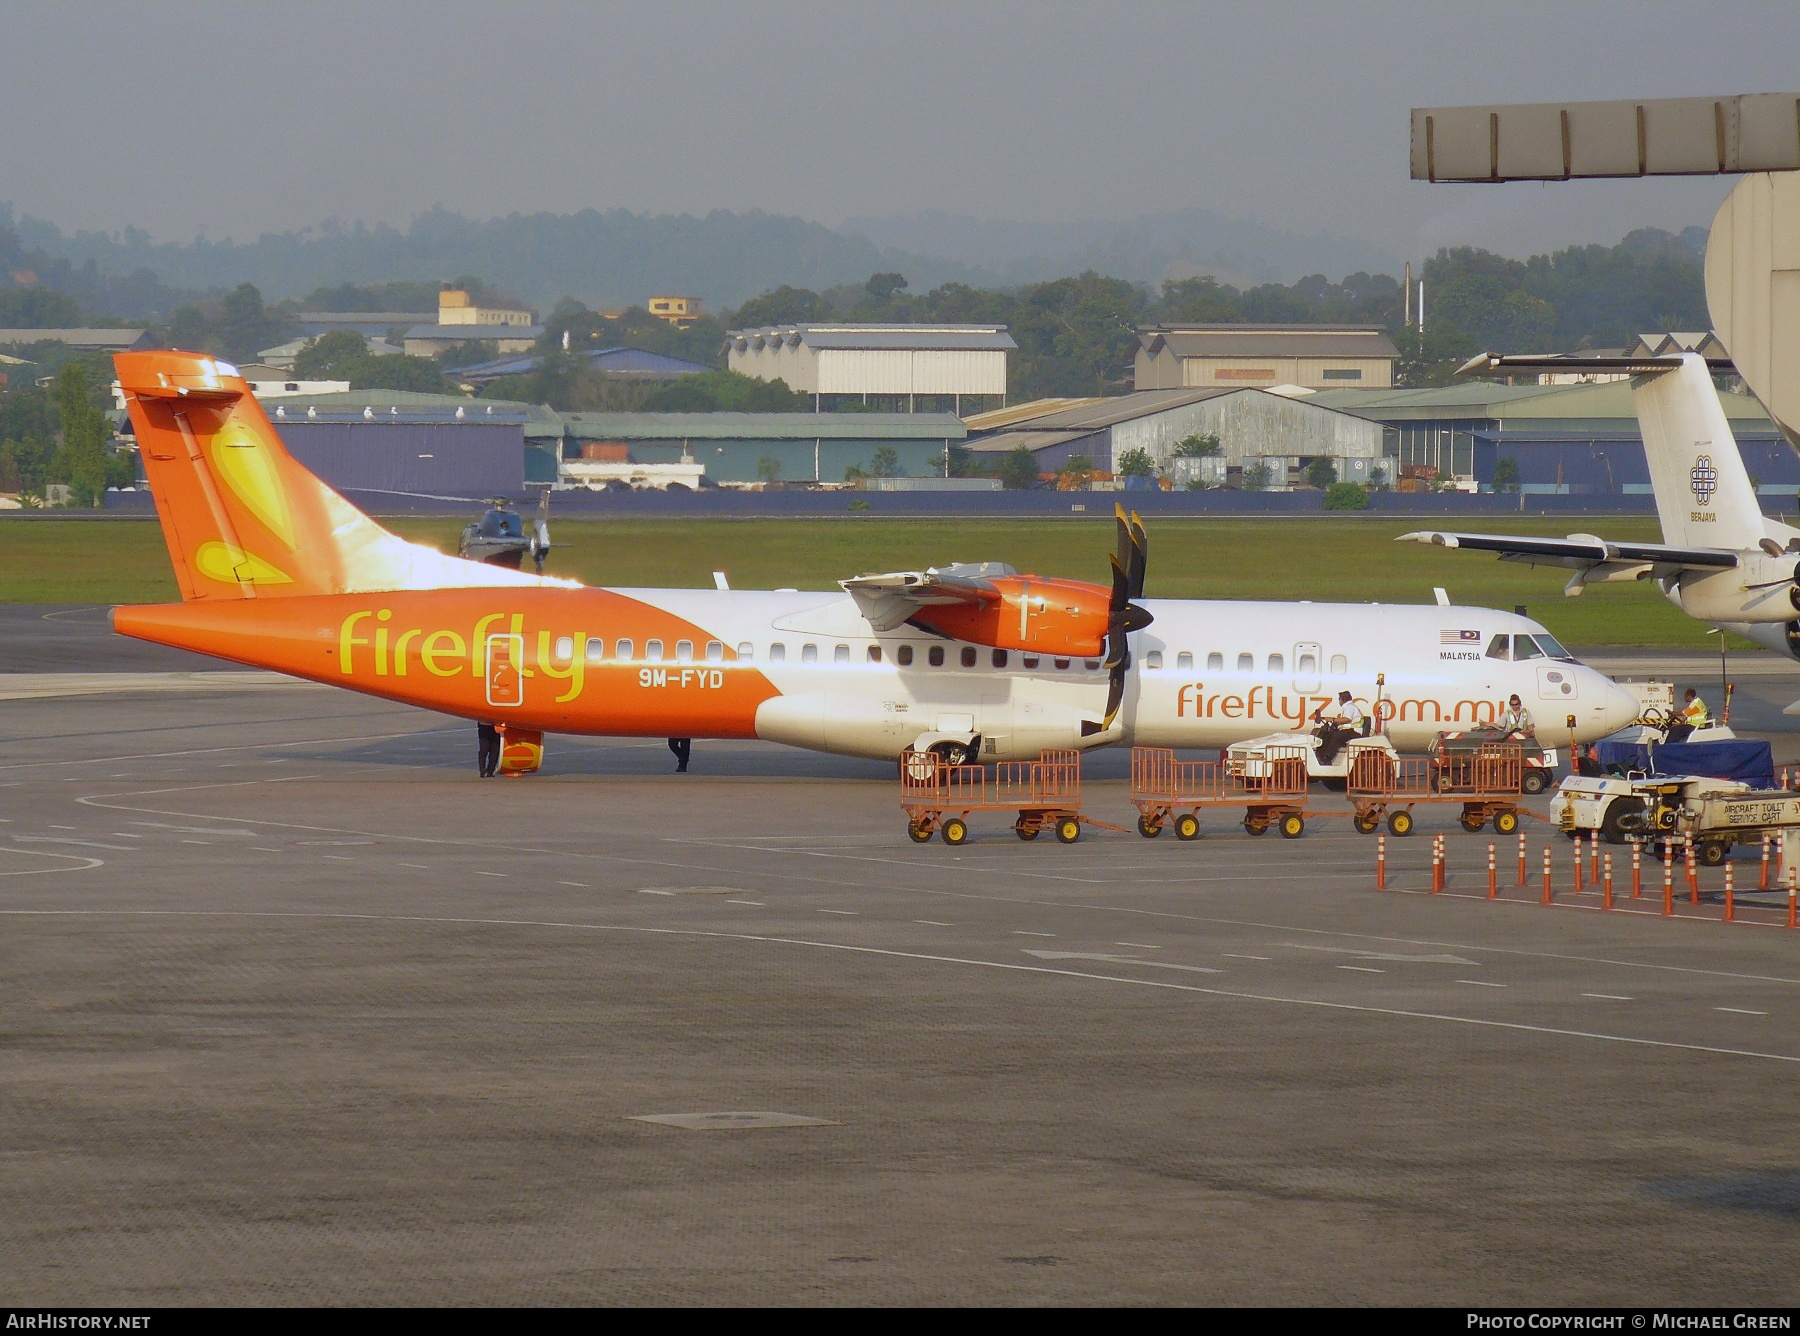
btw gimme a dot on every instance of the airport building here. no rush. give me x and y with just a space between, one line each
748 447
1252 426
908 368
1312 357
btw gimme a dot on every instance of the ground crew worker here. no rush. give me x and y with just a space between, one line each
682 747
1344 724
1693 714
1517 721
487 751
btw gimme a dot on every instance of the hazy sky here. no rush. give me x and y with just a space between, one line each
237 118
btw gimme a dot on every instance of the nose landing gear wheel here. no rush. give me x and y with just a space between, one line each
1400 823
1068 830
1187 826
1149 829
1505 823
955 830
1293 826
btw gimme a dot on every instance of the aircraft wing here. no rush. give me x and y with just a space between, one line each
1582 551
889 600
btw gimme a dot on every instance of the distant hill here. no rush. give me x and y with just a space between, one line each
1151 248
604 259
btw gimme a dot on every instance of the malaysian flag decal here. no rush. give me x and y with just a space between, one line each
1459 637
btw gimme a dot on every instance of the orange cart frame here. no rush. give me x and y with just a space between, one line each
1271 788
1044 794
1489 783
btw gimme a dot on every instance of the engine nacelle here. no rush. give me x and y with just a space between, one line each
521 750
1760 588
1064 618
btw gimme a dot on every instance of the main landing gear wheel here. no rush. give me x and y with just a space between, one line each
1025 830
1365 822
1400 823
1505 823
1187 826
1068 830
1149 828
1536 781
955 830
919 831
1293 826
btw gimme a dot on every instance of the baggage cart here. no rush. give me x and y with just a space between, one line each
1487 782
939 798
1271 786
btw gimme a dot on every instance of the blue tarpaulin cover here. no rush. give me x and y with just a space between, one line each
1750 763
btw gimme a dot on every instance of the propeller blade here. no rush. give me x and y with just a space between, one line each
1121 587
1140 554
1125 544
1115 693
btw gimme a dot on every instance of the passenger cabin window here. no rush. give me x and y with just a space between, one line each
936 656
715 652
626 650
904 656
594 650
1090 664
1276 663
1000 658
1185 661
809 654
1215 662
841 654
1338 665
968 657
1061 664
653 651
777 652
1246 663
746 651
874 653
1029 661
684 651
565 648
1153 660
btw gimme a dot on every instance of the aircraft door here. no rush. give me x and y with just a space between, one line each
1306 667
1556 682
505 675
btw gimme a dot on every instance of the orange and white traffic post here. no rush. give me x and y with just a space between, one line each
1767 840
1577 884
1524 875
1693 876
1493 874
1546 874
1730 898
1668 878
1606 893
1381 862
1637 868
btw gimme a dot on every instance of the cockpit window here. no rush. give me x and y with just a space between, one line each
1524 647
1553 647
1500 647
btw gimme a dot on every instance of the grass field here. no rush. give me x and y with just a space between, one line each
124 561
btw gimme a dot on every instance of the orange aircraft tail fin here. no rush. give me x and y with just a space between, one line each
242 518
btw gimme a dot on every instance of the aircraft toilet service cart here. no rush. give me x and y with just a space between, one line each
939 798
1270 785
1488 781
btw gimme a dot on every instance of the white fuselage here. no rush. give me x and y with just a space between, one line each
1205 674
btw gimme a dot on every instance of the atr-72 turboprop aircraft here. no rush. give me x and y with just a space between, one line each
278 571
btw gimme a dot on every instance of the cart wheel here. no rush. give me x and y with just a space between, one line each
1505 822
1148 828
1536 781
1068 830
1025 829
1365 822
1472 822
1293 826
955 830
920 831
1187 826
1712 853
1255 827
1400 823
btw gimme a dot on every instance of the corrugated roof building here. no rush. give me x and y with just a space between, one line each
88 340
1313 357
902 365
